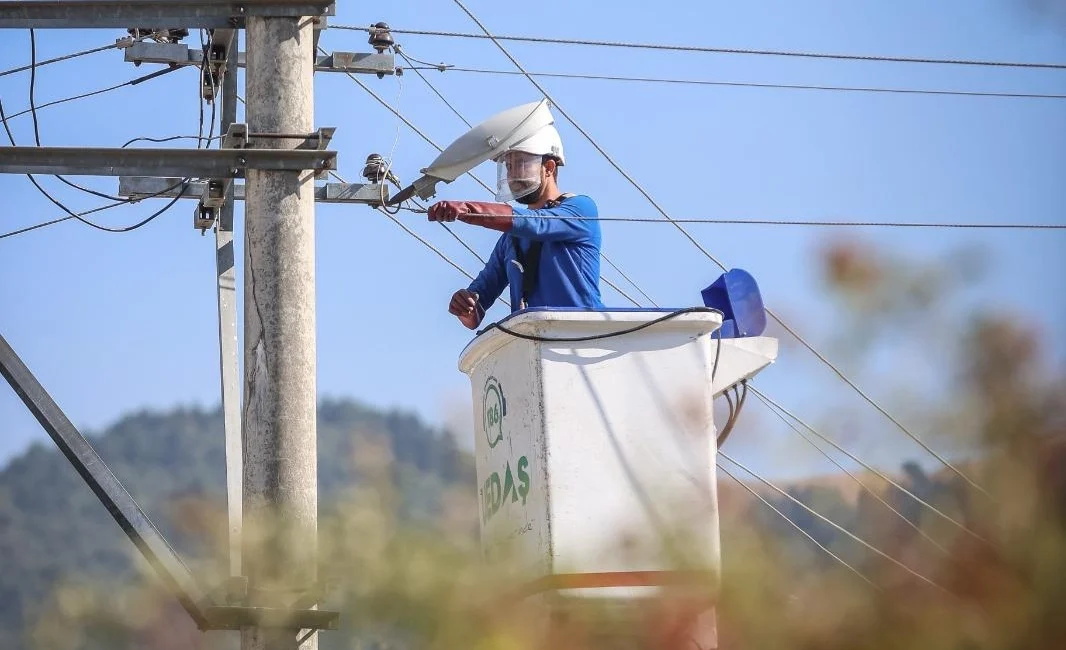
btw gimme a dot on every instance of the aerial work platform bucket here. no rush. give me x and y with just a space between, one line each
596 458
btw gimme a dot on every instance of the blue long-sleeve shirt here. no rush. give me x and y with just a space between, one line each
569 272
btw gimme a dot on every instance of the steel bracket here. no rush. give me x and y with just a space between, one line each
376 63
143 187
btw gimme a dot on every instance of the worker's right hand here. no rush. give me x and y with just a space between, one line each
465 306
445 210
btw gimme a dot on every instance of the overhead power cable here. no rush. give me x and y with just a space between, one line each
55 221
720 50
833 524
131 82
777 408
862 485
119 45
80 216
436 146
36 125
715 221
455 265
629 280
399 50
714 259
743 84
436 92
767 503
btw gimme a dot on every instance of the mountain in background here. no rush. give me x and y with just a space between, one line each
53 529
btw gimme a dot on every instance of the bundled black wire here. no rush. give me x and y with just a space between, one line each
117 201
36 126
597 337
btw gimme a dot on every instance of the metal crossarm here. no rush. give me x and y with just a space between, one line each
155 13
202 163
140 187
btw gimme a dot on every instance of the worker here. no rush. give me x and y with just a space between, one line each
549 252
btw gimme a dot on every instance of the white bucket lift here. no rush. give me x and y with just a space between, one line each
596 459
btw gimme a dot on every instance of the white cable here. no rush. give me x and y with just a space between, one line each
833 524
770 402
854 478
799 528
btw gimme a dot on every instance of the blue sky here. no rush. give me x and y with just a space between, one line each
114 323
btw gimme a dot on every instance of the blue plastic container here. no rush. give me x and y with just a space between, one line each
736 295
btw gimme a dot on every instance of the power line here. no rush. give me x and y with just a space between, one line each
744 84
131 82
799 528
55 221
121 44
852 476
428 245
833 524
399 50
36 126
455 265
458 267
79 216
781 409
71 214
808 222
629 280
711 257
433 88
721 50
451 232
431 142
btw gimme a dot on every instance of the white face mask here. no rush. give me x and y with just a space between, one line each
518 174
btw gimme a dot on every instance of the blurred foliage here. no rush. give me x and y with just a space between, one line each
398 527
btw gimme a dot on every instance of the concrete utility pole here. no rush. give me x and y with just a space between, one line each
280 441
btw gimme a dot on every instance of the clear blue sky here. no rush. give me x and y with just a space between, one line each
113 323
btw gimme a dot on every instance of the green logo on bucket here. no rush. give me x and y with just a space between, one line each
495 410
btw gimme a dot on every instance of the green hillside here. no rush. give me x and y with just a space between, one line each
53 530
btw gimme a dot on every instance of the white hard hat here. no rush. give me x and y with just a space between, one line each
545 142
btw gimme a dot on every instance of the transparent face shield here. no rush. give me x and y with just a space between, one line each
518 174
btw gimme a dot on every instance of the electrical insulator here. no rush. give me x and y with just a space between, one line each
380 37
375 168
